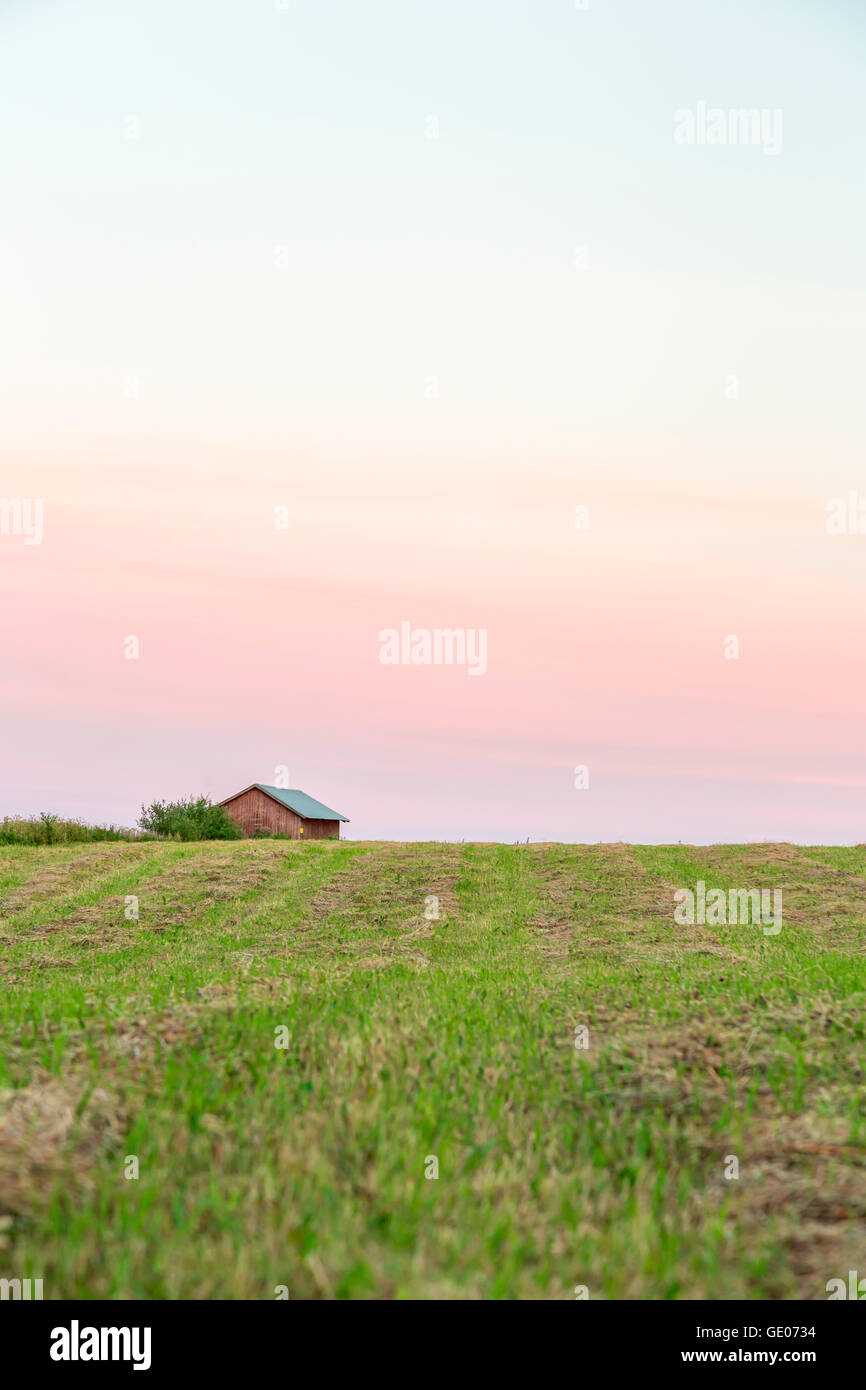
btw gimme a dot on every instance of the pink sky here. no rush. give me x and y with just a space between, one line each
260 647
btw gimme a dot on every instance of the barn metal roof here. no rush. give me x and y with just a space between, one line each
300 803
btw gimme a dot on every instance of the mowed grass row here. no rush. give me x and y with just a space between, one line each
287 1043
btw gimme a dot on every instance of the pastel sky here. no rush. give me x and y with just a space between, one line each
430 276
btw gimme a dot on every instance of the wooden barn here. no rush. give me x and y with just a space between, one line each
283 811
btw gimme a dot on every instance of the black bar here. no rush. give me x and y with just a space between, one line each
626 1337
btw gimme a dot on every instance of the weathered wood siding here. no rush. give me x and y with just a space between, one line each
321 829
253 810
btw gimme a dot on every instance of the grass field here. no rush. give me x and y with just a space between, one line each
408 1039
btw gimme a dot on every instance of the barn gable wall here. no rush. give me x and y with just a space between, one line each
253 810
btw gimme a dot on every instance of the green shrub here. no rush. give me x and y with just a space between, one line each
191 818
